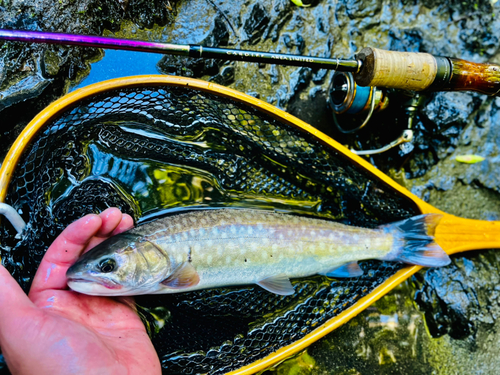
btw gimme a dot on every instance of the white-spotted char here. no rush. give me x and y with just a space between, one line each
225 247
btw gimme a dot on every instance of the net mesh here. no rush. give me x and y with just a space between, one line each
159 149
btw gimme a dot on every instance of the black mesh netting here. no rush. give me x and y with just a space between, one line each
156 150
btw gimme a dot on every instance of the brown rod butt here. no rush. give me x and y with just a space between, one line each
468 76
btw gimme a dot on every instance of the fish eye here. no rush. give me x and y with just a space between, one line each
107 265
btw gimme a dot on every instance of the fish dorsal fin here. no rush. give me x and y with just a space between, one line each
184 276
279 284
346 270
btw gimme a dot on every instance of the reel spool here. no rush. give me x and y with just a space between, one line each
346 97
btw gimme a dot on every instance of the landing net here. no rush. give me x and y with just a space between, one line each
160 149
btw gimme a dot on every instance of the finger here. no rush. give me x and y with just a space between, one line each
126 224
63 252
113 227
111 218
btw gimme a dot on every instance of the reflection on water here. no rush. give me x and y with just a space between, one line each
115 64
389 337
156 185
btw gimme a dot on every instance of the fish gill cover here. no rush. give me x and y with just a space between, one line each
157 150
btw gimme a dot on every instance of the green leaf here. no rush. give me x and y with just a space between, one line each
300 3
469 159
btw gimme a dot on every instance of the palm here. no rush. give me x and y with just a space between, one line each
61 331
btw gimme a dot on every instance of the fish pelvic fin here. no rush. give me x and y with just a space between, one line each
279 284
351 269
414 242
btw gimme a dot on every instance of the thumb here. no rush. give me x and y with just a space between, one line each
14 304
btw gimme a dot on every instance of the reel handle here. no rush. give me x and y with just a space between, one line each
422 71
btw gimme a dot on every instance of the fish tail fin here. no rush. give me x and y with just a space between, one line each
414 242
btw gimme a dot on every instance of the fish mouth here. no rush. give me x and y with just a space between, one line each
97 286
79 280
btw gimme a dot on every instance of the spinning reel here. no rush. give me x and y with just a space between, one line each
346 98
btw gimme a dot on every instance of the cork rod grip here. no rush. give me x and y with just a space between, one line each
421 71
402 70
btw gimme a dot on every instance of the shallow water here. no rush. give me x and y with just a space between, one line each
116 64
158 186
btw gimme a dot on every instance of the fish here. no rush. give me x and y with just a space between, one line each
215 248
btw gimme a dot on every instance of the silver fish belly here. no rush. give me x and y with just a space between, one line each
224 247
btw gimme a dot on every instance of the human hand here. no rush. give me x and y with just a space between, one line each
54 330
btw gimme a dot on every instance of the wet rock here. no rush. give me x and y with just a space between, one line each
440 122
219 34
147 13
279 14
51 63
362 9
421 192
460 298
25 89
188 67
313 106
480 137
405 40
255 22
444 183
298 79
295 45
225 77
449 109
216 32
483 139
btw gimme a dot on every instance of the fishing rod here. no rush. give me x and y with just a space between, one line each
371 66
195 51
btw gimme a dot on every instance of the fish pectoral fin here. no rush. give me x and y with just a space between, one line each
184 276
346 270
279 284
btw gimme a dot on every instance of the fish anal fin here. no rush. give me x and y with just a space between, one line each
351 269
184 276
279 284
